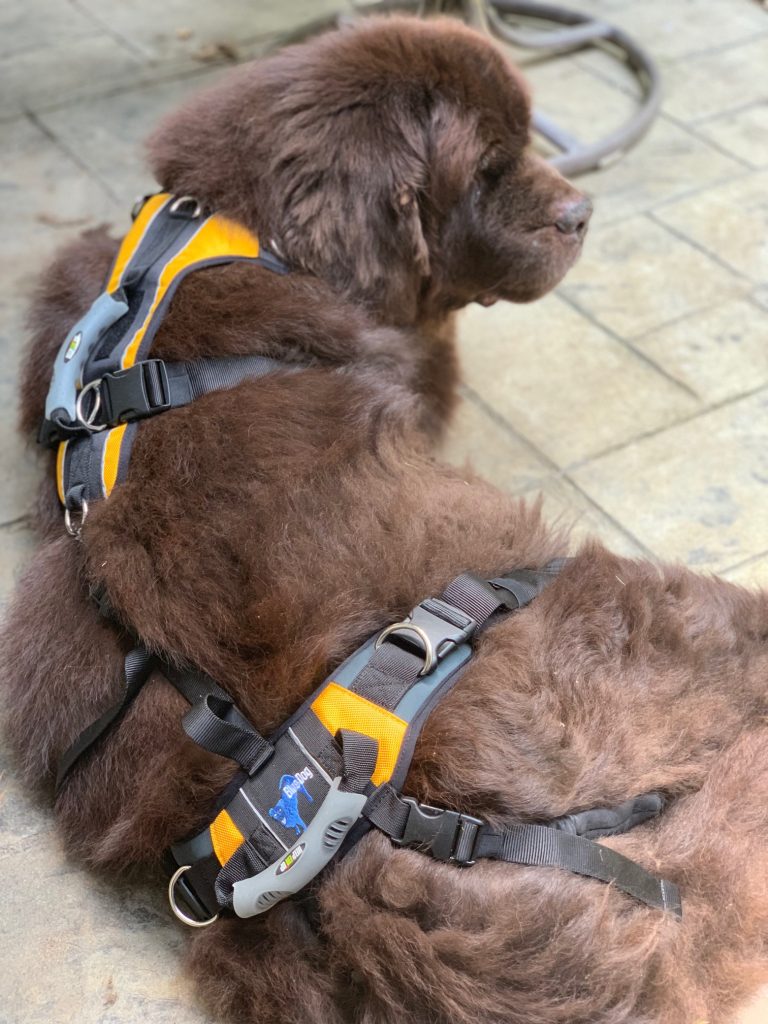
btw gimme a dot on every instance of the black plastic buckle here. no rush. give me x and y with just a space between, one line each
133 394
447 835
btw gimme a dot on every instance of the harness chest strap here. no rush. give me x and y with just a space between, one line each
259 849
334 770
102 381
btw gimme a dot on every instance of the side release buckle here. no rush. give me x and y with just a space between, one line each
447 835
133 394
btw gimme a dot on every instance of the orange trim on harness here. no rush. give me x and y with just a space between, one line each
215 238
339 708
226 837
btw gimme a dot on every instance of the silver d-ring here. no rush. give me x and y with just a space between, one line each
89 421
184 918
408 627
75 528
180 201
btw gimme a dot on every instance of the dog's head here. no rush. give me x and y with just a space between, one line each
391 160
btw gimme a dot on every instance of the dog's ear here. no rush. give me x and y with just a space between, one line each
302 155
346 196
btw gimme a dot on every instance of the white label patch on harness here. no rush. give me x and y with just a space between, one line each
291 859
73 346
297 783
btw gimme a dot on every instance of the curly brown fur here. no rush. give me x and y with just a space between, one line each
264 533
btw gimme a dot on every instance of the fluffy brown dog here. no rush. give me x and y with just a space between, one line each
264 532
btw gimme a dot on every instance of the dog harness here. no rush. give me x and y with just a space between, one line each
335 769
103 381
305 795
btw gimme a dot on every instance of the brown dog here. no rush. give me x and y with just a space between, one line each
264 532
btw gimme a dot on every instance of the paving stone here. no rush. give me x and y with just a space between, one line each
696 492
713 83
576 99
638 278
29 24
673 30
110 952
719 353
744 133
729 220
180 29
476 440
109 131
565 506
561 381
752 573
666 163
64 72
47 199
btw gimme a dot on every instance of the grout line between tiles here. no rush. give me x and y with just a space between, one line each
179 73
575 305
556 473
103 24
681 421
508 428
71 153
650 215
18 521
611 519
708 308
744 562
689 129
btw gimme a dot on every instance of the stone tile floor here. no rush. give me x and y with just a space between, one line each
635 398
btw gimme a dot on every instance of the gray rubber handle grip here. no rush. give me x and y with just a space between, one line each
306 858
75 352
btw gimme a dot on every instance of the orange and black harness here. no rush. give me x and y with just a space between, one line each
335 769
103 381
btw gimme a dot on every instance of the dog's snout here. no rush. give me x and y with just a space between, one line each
573 216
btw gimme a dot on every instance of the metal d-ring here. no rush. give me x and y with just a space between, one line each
185 918
88 421
75 528
430 659
179 202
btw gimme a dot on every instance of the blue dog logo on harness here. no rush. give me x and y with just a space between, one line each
286 810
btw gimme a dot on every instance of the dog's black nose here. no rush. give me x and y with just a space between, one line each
574 216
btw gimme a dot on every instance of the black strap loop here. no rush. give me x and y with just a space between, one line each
216 724
139 664
360 753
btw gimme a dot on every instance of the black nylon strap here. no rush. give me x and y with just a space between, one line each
537 845
389 673
449 835
139 664
611 821
360 753
153 386
215 723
